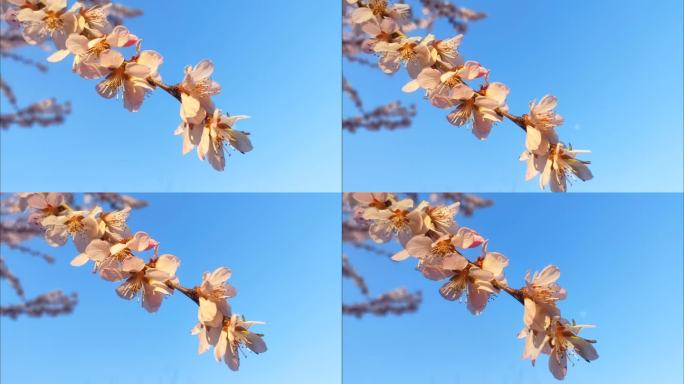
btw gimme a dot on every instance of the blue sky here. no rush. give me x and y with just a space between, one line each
620 257
283 250
615 66
277 62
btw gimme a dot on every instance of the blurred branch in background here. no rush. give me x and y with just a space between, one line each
16 231
349 272
397 301
53 303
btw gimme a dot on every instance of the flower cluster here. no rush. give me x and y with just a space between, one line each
105 240
430 235
97 48
462 87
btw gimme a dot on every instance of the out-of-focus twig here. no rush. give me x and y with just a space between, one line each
349 272
390 116
14 282
53 303
396 302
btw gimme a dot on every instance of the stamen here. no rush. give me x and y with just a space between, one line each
443 248
52 21
378 7
406 51
399 220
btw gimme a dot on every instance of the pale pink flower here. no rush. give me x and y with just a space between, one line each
395 220
534 163
443 89
95 19
540 295
236 334
362 14
556 340
217 135
44 205
464 281
109 257
361 201
440 258
436 257
128 77
213 137
115 223
536 343
10 12
386 201
81 226
489 103
446 51
476 279
469 70
481 287
207 336
563 338
378 200
52 20
378 9
540 124
439 218
148 279
383 31
414 54
481 110
542 286
555 166
212 294
196 91
87 52
448 89
560 164
191 133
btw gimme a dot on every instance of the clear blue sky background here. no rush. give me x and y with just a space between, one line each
620 257
283 250
277 62
616 67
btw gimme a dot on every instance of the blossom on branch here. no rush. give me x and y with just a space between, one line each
97 46
104 238
47 19
236 334
212 294
449 81
556 165
440 247
150 279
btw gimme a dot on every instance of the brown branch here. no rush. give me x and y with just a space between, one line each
190 293
172 90
349 272
13 280
53 303
396 302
